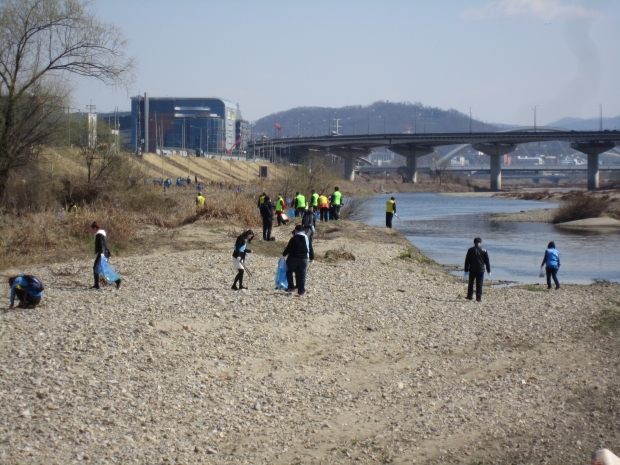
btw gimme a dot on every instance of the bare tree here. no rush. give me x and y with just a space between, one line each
438 167
98 146
42 44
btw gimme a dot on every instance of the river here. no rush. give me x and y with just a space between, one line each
443 228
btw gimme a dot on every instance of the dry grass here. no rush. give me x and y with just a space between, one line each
581 205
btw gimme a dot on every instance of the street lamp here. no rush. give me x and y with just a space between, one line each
470 119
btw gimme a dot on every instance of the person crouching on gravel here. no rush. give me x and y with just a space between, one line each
299 250
239 257
101 250
28 290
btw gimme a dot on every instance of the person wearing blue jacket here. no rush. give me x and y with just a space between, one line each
552 262
27 289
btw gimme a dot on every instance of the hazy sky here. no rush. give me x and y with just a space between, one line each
500 57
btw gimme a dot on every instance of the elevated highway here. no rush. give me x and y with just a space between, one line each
413 146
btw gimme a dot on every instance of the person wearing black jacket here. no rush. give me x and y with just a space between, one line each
266 211
101 248
476 260
308 221
239 257
299 250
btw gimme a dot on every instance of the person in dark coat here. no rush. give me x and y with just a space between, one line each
266 212
476 260
239 257
101 249
299 251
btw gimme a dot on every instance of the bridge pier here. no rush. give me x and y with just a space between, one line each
495 151
349 156
349 167
411 153
592 150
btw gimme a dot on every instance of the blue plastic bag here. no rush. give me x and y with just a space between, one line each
280 279
107 271
291 213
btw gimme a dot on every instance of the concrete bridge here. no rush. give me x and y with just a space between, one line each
413 146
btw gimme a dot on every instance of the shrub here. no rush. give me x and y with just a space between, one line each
356 208
579 206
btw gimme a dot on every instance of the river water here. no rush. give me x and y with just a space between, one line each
444 227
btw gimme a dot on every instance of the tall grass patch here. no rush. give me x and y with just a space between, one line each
580 206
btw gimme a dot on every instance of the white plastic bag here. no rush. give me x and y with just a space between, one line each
465 276
541 274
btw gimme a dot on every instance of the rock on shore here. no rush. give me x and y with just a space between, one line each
382 361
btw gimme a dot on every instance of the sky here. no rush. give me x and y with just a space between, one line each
501 57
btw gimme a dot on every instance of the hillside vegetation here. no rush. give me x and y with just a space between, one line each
357 119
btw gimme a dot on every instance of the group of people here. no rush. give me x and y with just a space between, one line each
298 252
318 207
477 262
28 289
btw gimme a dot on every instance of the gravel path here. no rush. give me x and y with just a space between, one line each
383 361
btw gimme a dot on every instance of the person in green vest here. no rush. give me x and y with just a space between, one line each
314 202
300 205
261 199
390 211
336 203
280 204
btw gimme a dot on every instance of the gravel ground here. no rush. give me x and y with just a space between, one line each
531 216
382 361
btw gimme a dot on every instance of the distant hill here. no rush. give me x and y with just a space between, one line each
590 124
358 119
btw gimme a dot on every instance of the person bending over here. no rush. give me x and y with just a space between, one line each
28 290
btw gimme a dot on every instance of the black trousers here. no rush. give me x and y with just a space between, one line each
280 220
388 219
552 273
95 274
267 226
334 213
479 278
323 213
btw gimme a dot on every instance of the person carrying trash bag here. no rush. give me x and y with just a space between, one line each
552 262
28 290
299 251
101 265
280 214
239 257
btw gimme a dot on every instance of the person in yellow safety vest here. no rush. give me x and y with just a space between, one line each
323 207
200 200
73 209
315 200
280 204
390 211
261 199
336 203
300 205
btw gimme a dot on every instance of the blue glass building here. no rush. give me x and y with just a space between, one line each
183 124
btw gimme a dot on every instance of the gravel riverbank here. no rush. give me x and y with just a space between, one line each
382 361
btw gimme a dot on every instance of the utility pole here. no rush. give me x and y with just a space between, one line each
535 106
600 116
470 120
